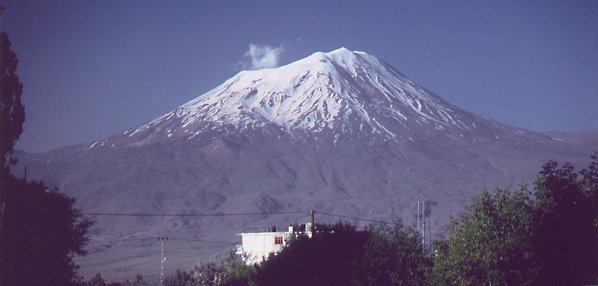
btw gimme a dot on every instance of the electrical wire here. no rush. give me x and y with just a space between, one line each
202 240
355 218
169 238
187 215
230 214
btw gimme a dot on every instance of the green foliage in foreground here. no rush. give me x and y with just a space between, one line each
490 244
230 270
566 224
12 111
391 256
327 258
97 280
41 232
548 237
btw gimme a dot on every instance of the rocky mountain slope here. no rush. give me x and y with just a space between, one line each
339 132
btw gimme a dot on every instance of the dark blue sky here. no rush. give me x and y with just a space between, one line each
94 68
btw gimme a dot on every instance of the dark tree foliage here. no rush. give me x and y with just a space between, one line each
391 256
566 235
41 232
550 238
180 278
138 281
325 259
490 243
229 271
96 280
241 274
12 112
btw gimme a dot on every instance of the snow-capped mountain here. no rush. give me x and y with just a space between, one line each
339 132
344 93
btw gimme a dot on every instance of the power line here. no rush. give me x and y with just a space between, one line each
229 214
356 218
188 215
203 240
170 238
122 239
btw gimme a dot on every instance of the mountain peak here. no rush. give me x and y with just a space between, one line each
341 50
341 57
340 53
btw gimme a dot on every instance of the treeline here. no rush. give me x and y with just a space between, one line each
544 236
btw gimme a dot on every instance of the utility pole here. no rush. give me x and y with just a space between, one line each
162 258
429 216
312 215
418 224
421 222
424 226
2 205
424 223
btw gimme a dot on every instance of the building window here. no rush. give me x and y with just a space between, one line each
278 240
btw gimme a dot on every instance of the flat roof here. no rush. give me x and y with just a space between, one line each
264 232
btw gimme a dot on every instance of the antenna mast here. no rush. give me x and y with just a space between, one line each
312 218
162 258
421 222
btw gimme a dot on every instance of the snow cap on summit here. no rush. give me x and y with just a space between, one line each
340 51
342 91
345 51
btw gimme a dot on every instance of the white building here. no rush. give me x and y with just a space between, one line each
257 246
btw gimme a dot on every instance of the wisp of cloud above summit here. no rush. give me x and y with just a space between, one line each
262 56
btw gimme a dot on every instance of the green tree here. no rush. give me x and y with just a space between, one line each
241 274
508 238
97 280
229 270
41 233
391 256
12 111
209 273
138 281
566 215
180 278
327 258
490 244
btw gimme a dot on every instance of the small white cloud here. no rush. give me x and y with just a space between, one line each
262 56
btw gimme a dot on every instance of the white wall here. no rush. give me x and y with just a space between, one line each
258 245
